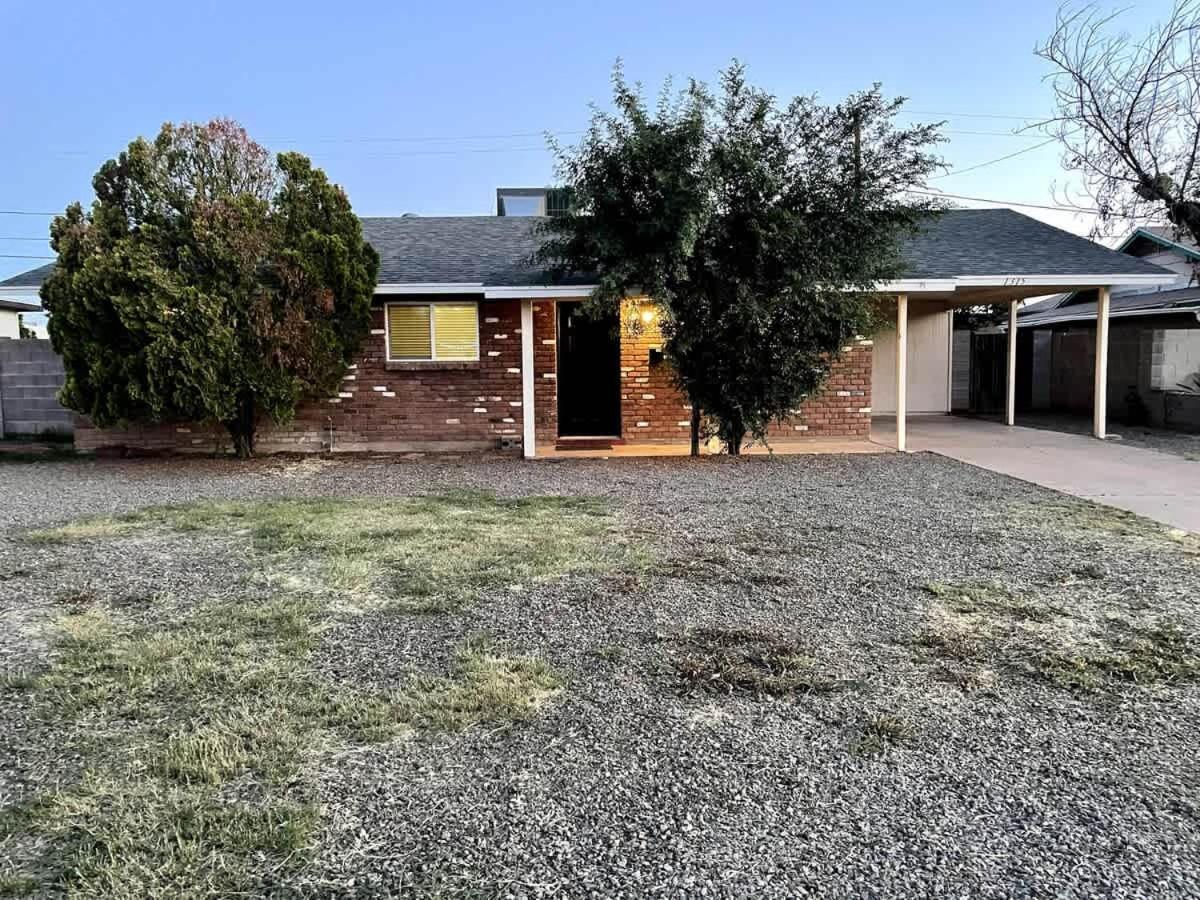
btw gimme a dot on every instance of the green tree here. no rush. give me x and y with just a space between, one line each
760 229
208 282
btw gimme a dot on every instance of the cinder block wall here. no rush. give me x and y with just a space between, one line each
31 374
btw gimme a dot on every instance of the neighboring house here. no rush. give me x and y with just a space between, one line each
473 349
11 312
1154 342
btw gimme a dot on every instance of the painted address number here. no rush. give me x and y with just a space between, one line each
1008 282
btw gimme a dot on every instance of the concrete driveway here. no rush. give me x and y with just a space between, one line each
1157 485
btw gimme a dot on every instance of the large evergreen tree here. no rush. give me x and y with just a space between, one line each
208 282
759 229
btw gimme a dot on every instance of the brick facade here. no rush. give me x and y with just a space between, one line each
474 406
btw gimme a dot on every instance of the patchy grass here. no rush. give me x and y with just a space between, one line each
487 688
1159 653
1087 519
424 554
985 627
749 661
198 732
978 596
880 733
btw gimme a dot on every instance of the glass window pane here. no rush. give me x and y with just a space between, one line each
456 330
408 332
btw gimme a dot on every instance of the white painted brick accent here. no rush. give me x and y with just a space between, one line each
549 375
866 343
508 420
480 399
642 380
377 331
453 422
491 320
643 424
480 409
514 402
183 431
514 371
493 399
335 400
843 393
865 409
380 388
349 377
346 395
647 396
684 424
548 341
500 337
493 353
801 427
389 393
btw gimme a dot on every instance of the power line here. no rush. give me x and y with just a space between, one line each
25 212
999 159
22 256
962 115
42 239
1056 208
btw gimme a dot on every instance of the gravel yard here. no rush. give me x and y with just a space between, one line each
892 676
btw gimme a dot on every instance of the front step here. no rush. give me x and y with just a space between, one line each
586 443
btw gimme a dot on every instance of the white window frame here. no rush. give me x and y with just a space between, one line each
433 358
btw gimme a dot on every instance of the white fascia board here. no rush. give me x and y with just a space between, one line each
20 293
431 287
917 286
1074 281
538 292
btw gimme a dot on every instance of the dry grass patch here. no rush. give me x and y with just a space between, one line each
985 627
487 688
421 554
1087 519
749 661
880 733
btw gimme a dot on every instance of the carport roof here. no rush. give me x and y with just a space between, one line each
475 253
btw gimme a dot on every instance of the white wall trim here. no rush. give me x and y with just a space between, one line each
528 408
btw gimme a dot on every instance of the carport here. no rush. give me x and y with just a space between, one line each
1003 257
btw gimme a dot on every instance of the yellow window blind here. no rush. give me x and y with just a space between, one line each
408 332
456 331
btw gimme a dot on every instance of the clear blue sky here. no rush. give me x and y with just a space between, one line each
428 107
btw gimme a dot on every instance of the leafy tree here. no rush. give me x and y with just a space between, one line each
759 229
208 282
24 332
1129 112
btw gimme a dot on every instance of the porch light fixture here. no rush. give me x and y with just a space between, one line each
647 316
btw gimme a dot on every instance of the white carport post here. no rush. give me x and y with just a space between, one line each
528 429
901 370
1010 385
1100 391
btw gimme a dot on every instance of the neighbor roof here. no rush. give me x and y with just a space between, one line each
18 306
1153 303
495 251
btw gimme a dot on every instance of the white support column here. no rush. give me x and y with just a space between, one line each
901 370
528 425
1010 384
1100 391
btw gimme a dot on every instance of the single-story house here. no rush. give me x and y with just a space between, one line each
471 348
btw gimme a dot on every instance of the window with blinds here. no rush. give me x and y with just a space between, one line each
433 331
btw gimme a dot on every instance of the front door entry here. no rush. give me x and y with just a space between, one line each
589 374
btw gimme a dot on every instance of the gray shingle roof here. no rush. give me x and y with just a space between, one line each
494 250
975 242
33 278
1153 303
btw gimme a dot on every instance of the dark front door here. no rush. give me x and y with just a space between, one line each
589 374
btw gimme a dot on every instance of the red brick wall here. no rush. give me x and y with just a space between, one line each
382 405
459 406
545 366
652 408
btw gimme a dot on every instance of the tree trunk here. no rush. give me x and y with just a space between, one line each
735 434
695 451
242 427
